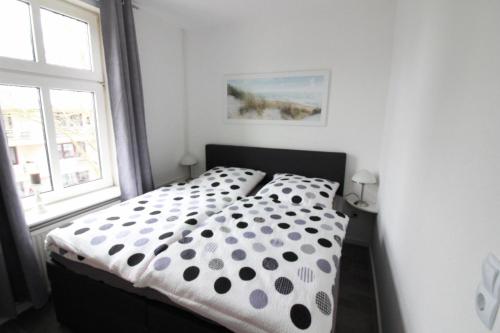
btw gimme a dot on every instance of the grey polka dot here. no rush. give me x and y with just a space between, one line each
258 247
249 234
220 219
231 240
305 274
310 195
326 227
98 240
259 220
172 218
141 241
146 231
301 187
266 230
254 211
238 255
122 233
308 249
283 285
216 264
294 236
323 302
276 242
324 266
225 229
162 263
188 254
258 299
210 247
105 226
300 222
330 216
338 225
269 209
335 261
286 190
151 221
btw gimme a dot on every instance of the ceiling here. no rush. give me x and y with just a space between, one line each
193 14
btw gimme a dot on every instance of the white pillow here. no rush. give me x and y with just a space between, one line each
230 178
300 190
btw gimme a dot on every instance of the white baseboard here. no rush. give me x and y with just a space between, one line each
375 287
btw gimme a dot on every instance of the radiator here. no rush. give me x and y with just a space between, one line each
38 239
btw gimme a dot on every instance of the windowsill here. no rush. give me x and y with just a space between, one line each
71 206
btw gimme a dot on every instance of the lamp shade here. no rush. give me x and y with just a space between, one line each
364 177
188 160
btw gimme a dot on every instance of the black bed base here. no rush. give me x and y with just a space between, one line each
87 305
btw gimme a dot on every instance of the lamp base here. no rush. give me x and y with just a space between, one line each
361 203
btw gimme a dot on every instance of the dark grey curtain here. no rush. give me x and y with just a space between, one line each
20 276
127 102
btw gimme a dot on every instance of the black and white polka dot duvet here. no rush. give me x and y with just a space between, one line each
125 238
258 266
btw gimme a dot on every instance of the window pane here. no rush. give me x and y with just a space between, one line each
15 30
21 117
66 40
77 144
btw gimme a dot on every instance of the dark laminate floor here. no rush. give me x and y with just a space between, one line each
356 312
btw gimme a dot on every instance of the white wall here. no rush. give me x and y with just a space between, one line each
162 63
353 39
440 189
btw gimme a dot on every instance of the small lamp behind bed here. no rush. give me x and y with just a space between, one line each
363 177
188 160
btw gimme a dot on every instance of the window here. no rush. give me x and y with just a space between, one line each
52 98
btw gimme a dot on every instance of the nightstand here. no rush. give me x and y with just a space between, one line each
361 220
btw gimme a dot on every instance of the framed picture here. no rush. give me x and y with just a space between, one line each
290 98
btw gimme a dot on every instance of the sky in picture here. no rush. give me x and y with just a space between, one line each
305 90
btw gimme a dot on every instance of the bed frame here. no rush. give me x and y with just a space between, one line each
86 304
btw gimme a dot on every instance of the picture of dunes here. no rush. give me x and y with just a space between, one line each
289 98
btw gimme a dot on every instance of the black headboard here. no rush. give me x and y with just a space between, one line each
303 162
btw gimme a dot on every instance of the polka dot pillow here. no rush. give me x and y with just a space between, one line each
230 178
300 190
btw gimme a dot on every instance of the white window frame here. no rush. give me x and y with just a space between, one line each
45 77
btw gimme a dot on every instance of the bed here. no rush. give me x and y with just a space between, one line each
93 300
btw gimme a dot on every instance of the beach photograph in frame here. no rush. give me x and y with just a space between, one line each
288 98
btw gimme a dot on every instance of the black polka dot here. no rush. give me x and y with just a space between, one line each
312 230
188 254
81 231
128 224
315 218
166 235
234 187
247 274
291 213
191 221
135 259
160 249
242 225
178 198
324 242
222 285
283 285
207 233
115 249
236 215
215 184
137 209
156 212
296 199
248 205
192 214
274 196
113 218
340 214
290 256
283 225
191 273
142 202
301 317
270 264
324 194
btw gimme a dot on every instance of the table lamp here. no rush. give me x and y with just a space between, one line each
363 177
188 160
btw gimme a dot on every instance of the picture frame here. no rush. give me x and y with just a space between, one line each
282 98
